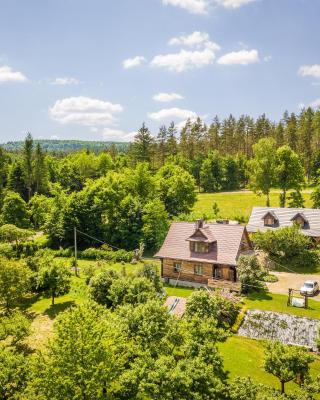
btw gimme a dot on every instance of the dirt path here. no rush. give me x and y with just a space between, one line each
289 280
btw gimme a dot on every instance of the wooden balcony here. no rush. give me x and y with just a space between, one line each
224 284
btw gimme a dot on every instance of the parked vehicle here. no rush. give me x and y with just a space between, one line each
309 288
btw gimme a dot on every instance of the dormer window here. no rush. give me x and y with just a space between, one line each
300 220
199 247
269 219
202 239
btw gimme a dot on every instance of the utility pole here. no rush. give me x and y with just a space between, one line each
75 252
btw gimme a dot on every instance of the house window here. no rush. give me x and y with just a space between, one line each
299 221
199 247
176 267
269 221
218 273
198 269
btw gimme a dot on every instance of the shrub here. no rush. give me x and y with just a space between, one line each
205 305
285 242
105 253
251 273
7 250
99 286
239 319
270 278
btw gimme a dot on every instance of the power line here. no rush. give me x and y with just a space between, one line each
98 240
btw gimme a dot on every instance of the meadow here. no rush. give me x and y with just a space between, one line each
245 357
237 205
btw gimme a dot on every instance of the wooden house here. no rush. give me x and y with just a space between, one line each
271 218
196 254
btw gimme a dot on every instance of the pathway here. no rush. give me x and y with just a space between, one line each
290 280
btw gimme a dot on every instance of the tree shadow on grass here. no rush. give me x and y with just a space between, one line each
259 296
56 309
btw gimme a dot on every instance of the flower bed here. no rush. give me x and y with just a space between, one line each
286 328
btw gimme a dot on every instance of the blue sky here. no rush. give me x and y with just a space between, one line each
96 69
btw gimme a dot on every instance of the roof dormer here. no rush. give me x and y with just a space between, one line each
300 219
270 219
201 239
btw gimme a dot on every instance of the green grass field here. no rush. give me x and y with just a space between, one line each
245 357
236 204
278 303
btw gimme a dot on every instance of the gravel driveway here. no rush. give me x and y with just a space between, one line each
290 280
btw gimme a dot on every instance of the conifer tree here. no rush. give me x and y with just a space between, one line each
28 163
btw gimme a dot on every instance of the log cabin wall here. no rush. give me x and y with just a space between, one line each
188 271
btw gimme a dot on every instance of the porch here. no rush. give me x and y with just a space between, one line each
224 284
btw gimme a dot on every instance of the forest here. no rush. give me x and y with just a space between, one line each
96 327
125 196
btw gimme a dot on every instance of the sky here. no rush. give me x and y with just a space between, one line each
97 69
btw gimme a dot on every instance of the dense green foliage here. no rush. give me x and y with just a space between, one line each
287 363
251 273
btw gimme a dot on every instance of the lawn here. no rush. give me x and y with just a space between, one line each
278 303
236 204
78 292
245 357
178 291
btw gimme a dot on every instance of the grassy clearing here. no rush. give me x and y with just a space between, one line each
235 204
78 291
178 291
245 357
277 302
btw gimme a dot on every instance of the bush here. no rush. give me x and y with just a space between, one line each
99 286
205 305
105 253
239 319
286 242
68 252
270 278
7 250
251 273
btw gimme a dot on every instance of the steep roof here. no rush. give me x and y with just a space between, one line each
285 217
224 251
202 235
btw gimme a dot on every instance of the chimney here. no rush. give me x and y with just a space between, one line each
199 224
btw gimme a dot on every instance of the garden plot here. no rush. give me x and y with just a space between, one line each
288 329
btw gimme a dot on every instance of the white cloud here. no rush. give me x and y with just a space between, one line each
195 39
172 114
65 81
133 62
242 57
8 75
315 103
233 4
184 60
167 97
54 137
310 70
118 135
267 58
193 6
84 111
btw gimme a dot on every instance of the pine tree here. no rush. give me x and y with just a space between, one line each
40 171
142 147
306 135
16 181
28 163
162 144
172 139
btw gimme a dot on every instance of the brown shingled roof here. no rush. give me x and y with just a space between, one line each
225 250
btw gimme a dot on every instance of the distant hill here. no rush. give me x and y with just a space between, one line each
67 146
